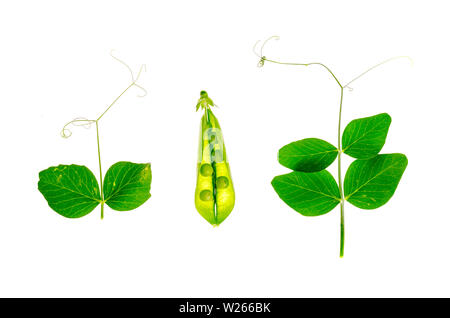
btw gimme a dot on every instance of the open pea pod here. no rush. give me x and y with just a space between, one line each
214 193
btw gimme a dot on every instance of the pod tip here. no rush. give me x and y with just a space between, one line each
204 101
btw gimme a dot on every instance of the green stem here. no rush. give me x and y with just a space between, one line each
340 176
134 83
98 149
101 175
307 64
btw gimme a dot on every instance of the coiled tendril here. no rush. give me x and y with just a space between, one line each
263 59
86 123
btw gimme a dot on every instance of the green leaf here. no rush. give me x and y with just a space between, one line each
370 183
72 191
363 138
127 185
311 194
307 155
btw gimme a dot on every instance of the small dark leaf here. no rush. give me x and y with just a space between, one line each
311 194
370 183
127 185
363 138
307 155
72 191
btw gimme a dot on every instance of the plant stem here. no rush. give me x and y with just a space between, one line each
101 175
340 177
307 64
102 206
98 149
134 83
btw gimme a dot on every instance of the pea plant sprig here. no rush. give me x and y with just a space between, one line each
73 191
370 180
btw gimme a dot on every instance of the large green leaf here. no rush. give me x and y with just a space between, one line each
311 194
363 138
307 155
72 191
370 183
127 185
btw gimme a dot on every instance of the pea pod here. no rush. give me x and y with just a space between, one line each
214 193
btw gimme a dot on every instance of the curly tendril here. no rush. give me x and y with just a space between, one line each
79 121
375 66
263 59
86 123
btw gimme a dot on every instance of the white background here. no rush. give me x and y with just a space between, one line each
55 66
